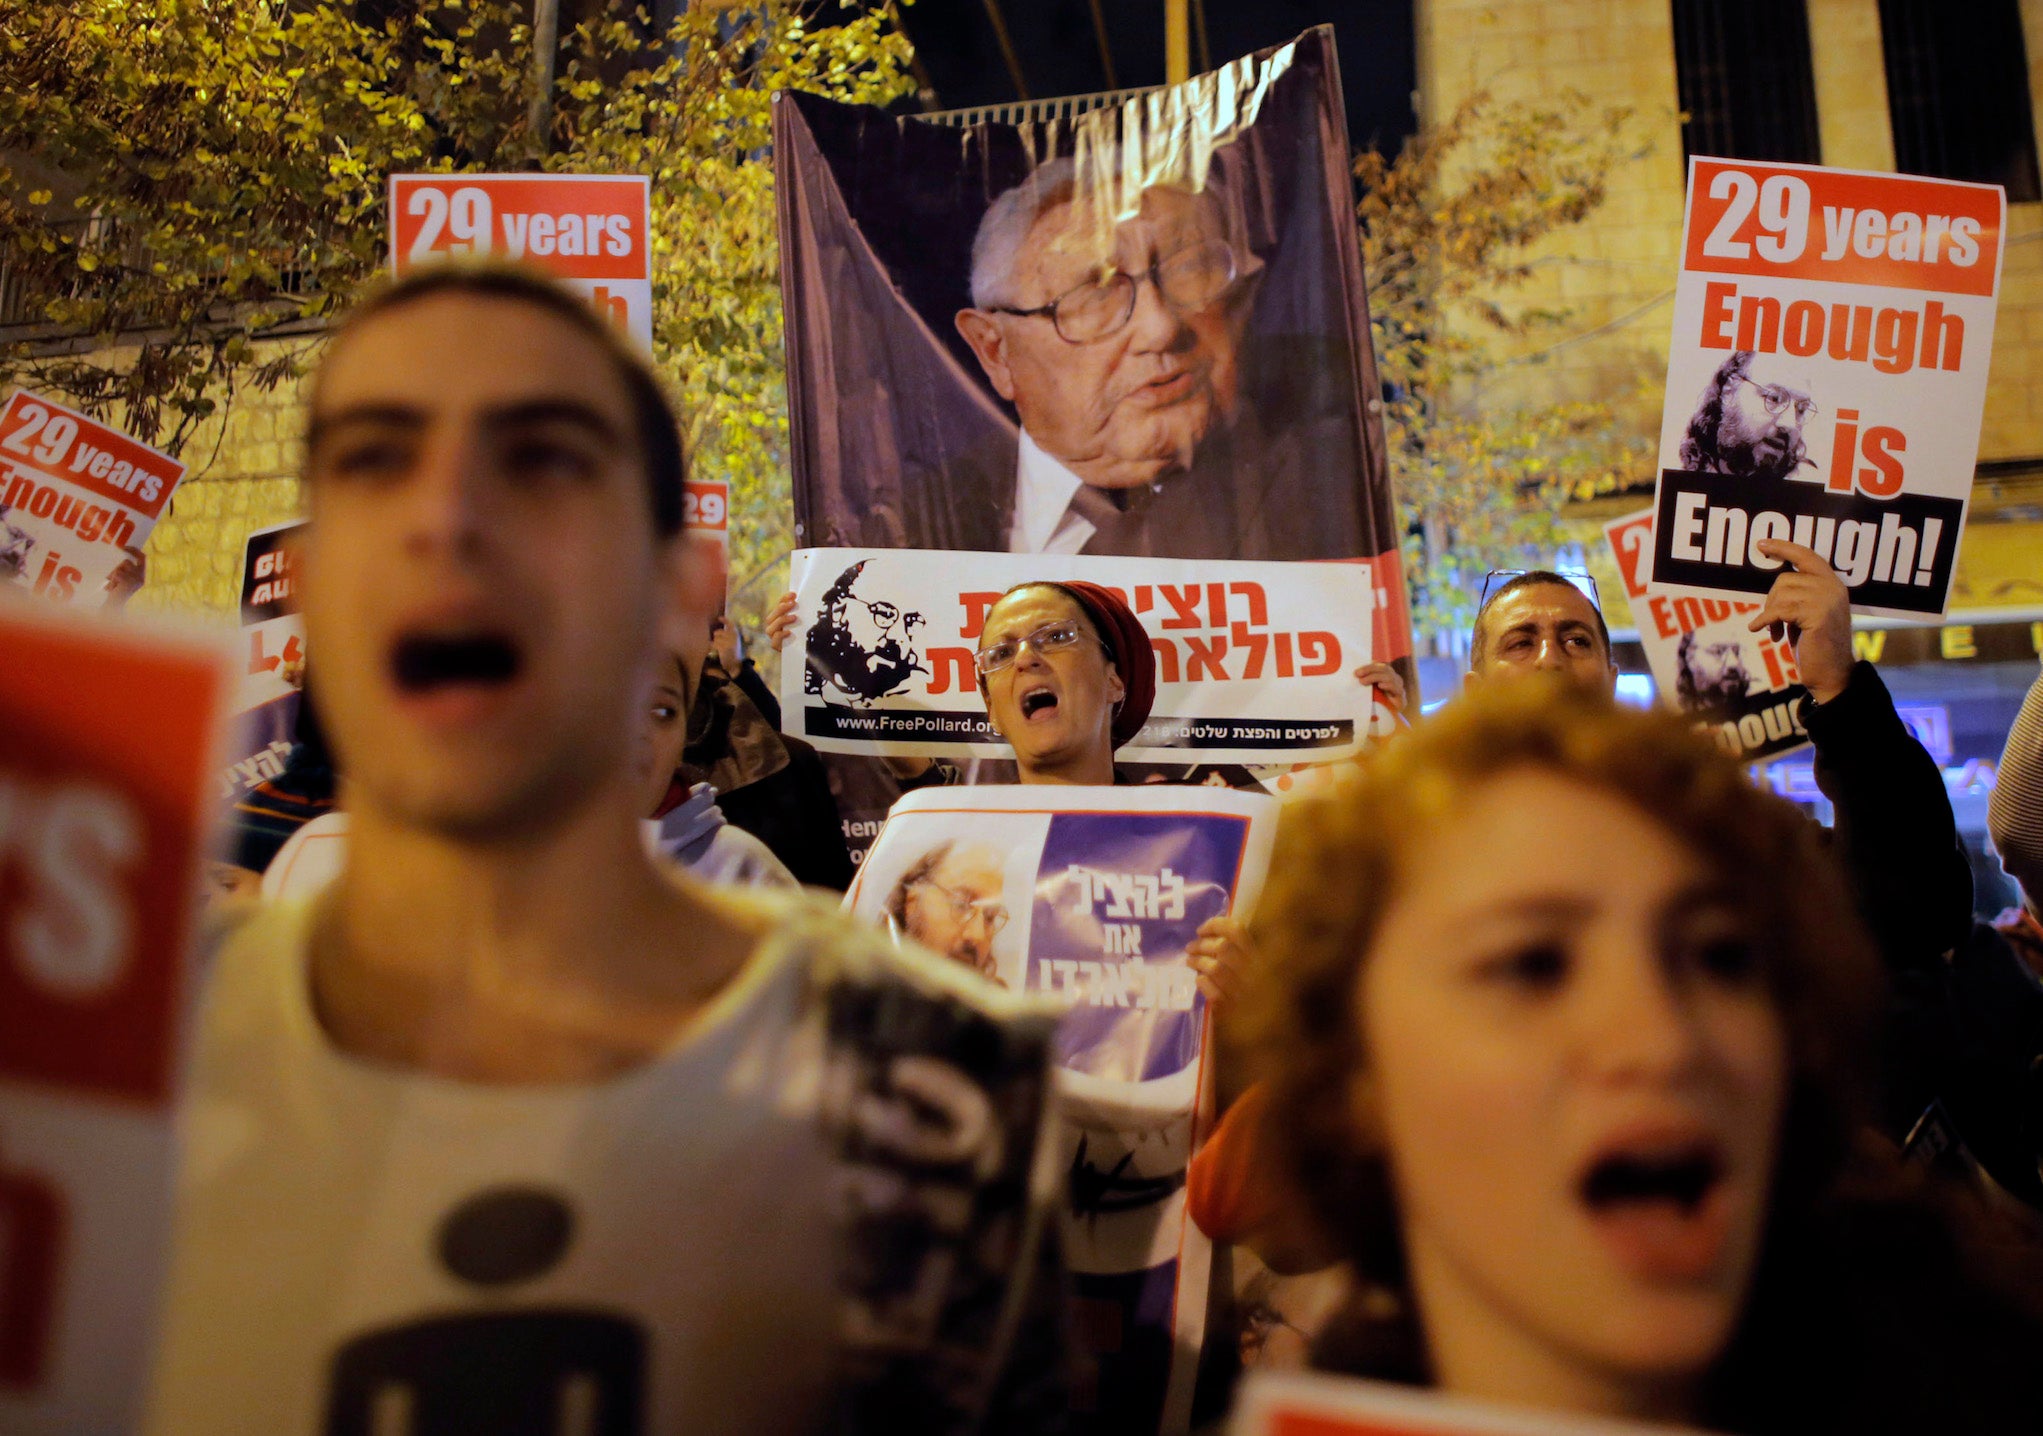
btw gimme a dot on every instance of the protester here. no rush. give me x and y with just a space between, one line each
686 824
2014 814
1569 1025
1895 831
509 1120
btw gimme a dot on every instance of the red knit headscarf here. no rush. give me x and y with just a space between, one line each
1127 643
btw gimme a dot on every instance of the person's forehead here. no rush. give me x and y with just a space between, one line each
1774 369
457 353
1542 604
1074 232
1024 612
973 867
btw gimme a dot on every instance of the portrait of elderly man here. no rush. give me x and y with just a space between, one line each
949 900
1117 339
1749 421
862 648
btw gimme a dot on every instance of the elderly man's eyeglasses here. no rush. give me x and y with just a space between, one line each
1779 400
1187 282
964 907
884 613
1048 639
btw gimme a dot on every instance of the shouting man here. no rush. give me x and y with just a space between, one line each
513 1128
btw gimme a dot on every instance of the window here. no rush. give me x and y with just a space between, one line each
1747 92
1958 92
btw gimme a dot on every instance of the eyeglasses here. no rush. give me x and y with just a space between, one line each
1187 282
1499 577
1777 399
964 907
884 613
1048 639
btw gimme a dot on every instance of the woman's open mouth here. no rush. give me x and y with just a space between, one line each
1660 1207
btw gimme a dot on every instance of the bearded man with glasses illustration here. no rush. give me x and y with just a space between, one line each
862 649
1749 422
949 900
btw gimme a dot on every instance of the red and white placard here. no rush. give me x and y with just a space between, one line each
73 494
1306 1404
593 232
107 742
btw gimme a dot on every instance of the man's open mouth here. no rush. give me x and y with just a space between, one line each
425 663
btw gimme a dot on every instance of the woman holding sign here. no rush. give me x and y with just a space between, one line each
1567 1023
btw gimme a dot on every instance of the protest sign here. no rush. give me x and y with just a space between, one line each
1091 895
74 494
1212 395
1255 661
1307 1404
100 837
271 679
1741 687
1828 372
592 232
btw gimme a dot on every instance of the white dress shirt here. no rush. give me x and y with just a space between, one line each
1044 521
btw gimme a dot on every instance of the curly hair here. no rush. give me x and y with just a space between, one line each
1699 444
1336 875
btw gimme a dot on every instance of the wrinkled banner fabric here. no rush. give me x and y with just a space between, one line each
904 434
1098 892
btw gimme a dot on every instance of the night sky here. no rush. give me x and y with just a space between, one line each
1059 54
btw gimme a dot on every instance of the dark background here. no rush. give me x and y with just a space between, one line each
1058 52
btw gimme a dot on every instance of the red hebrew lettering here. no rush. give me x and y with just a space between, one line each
31 1240
1144 599
1257 644
977 606
1259 605
946 662
1185 605
1166 659
1327 645
1207 654
1284 669
1216 605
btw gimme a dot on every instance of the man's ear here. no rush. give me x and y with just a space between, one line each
982 331
691 583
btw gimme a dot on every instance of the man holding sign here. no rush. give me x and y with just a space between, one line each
1897 835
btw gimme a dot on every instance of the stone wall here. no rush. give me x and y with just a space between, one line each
1616 271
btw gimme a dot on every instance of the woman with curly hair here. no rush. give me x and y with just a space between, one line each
1563 1033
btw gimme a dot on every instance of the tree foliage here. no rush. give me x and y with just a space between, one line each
1452 233
209 175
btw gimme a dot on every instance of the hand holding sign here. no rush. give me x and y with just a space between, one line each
1812 607
1224 957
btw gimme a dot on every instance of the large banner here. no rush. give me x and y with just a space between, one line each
1140 331
75 494
1255 661
592 232
1831 337
1092 895
1304 1404
1741 687
106 746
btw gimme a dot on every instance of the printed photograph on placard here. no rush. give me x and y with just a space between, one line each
1741 687
1832 331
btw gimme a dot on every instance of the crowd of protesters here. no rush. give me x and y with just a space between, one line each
1563 1066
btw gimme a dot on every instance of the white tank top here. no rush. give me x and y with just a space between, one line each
361 1249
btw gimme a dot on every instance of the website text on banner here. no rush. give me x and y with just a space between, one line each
1832 331
74 493
1307 1404
1742 688
98 880
591 231
1090 896
1255 661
